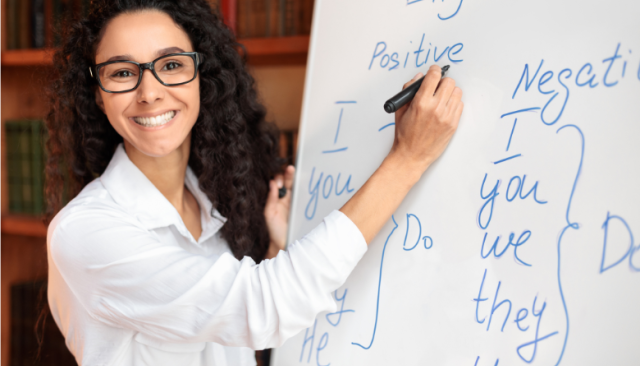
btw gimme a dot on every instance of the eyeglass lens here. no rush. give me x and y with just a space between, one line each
121 76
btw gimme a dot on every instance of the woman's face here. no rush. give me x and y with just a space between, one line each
143 37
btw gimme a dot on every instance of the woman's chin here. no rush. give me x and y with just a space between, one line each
156 148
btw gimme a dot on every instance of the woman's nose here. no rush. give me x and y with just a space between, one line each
150 90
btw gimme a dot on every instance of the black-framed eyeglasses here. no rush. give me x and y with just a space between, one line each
124 76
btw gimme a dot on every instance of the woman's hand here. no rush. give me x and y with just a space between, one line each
425 126
423 130
276 211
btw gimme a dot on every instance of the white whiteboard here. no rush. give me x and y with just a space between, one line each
570 278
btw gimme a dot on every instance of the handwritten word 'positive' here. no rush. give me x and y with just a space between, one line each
393 61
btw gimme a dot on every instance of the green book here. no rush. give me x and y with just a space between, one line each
25 158
37 168
26 175
12 131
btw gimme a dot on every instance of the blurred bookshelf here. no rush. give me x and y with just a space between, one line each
272 34
23 225
291 50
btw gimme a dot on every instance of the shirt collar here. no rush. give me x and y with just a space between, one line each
133 191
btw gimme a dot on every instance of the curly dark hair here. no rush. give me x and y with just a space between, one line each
234 151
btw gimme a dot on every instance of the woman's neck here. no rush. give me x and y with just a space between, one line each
167 175
166 172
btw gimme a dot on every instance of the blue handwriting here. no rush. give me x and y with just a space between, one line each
391 60
327 188
629 253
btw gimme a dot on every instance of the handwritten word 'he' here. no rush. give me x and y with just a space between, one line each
324 339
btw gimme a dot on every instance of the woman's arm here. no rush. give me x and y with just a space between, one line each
122 275
423 130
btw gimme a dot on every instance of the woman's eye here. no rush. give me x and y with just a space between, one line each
123 74
172 65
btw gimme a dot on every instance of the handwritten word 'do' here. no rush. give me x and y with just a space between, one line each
628 250
428 242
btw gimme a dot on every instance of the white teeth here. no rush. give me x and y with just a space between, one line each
156 120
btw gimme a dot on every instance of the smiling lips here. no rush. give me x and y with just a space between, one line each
156 121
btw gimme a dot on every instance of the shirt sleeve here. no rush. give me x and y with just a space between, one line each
124 276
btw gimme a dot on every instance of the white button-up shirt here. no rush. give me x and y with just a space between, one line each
129 285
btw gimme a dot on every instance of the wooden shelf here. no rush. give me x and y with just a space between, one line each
23 225
28 57
276 50
260 51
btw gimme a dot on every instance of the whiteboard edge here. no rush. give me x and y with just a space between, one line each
301 131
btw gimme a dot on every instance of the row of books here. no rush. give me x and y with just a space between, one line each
27 301
36 23
25 166
273 18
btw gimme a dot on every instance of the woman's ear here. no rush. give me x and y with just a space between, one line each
99 100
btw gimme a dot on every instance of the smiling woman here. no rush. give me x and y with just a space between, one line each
114 70
175 177
136 102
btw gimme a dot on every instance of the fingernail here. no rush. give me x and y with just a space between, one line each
417 76
279 182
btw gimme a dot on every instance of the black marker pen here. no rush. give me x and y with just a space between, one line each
407 94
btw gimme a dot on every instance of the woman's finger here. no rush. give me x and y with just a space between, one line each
279 178
400 112
289 173
429 85
456 95
272 198
288 177
458 112
418 76
444 91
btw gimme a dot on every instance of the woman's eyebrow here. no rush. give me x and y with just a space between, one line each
126 57
168 50
162 52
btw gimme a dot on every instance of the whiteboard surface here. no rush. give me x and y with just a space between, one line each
562 285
